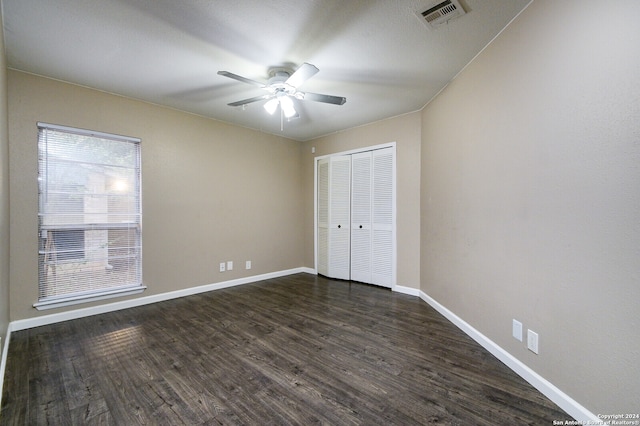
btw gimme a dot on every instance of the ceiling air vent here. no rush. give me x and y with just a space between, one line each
441 13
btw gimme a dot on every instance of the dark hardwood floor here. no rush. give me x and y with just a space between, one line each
295 350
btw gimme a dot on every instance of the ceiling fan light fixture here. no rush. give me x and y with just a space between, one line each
271 106
282 88
287 106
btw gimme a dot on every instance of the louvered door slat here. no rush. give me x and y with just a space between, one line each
383 218
323 217
361 217
339 217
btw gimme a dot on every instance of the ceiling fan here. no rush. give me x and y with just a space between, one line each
282 88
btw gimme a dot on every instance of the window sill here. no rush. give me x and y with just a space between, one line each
86 298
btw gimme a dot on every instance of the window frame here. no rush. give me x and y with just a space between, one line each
46 231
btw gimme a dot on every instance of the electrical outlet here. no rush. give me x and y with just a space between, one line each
247 265
532 341
517 330
230 265
222 267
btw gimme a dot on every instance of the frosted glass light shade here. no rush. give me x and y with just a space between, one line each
287 106
271 106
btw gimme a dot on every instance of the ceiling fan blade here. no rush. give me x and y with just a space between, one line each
327 99
241 78
250 100
302 74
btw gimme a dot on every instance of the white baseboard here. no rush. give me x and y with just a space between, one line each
406 290
308 270
116 306
564 401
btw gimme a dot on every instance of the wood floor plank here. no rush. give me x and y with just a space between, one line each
300 349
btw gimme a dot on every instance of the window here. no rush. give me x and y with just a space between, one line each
69 244
89 216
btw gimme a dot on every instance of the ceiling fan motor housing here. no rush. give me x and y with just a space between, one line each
277 82
279 72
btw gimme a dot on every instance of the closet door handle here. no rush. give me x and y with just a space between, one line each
360 226
339 226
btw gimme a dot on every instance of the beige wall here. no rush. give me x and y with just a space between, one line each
517 194
4 193
531 196
405 131
211 192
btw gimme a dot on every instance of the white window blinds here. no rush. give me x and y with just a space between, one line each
89 214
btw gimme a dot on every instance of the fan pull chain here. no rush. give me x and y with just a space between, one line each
281 119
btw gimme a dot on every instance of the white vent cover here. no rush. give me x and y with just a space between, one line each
441 13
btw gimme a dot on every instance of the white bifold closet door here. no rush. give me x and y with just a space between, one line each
334 195
383 218
372 217
361 195
356 217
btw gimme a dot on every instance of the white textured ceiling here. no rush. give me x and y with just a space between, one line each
376 53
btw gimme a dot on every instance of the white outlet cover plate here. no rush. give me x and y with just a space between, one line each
532 341
517 330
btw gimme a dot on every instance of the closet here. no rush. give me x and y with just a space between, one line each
356 216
